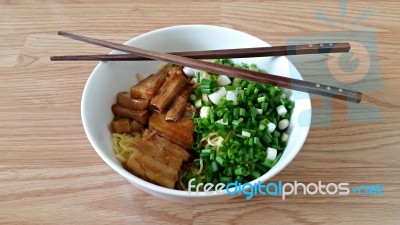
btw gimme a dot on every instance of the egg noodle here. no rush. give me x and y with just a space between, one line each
124 144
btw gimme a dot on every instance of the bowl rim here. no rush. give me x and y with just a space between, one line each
172 192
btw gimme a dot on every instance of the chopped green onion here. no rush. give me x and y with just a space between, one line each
235 122
266 139
277 159
255 174
212 155
251 150
271 153
220 160
256 90
236 113
242 112
236 82
281 110
244 84
198 103
226 179
225 118
251 142
264 106
246 133
272 91
239 135
197 92
253 111
284 137
205 90
267 163
240 171
230 88
214 166
249 88
276 134
198 74
205 83
238 120
205 111
256 141
207 150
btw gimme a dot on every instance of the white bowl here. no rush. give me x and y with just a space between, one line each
109 78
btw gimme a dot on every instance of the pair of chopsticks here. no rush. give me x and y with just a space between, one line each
182 58
223 54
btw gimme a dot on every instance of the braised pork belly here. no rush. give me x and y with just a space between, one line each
125 100
148 87
169 90
180 132
166 144
179 105
126 125
157 159
157 108
138 116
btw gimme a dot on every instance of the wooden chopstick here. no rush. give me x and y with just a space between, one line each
285 82
223 53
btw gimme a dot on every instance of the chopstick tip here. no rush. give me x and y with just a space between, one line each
360 97
62 33
53 58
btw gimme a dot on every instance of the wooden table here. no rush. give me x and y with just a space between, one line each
49 173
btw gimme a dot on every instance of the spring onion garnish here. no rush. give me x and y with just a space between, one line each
271 127
271 153
205 112
188 71
236 126
283 124
284 137
223 80
281 110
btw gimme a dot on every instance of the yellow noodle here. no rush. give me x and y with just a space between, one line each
124 144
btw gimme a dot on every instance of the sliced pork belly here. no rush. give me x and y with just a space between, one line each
180 133
178 107
161 155
134 166
126 125
136 126
169 90
139 116
125 100
164 143
148 87
154 163
120 126
152 170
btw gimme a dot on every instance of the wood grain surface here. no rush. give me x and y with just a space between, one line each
49 173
